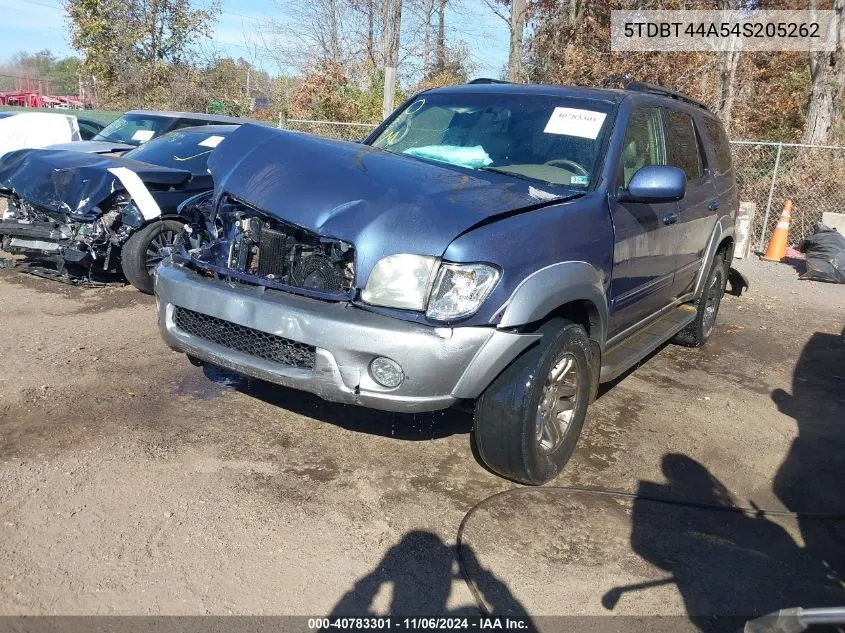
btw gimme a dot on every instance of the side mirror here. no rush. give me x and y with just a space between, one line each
655 183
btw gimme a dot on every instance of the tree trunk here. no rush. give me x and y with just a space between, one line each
334 38
827 69
371 45
391 54
517 28
726 72
727 62
440 62
428 13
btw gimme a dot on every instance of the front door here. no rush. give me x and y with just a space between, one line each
645 235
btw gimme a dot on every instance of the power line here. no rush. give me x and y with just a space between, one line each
42 4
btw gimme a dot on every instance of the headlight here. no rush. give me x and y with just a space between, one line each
460 289
400 281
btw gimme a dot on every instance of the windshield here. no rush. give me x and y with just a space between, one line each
537 137
180 150
134 129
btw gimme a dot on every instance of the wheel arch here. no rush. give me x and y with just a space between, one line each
721 237
574 290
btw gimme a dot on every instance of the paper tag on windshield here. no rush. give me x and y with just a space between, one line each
143 135
574 122
211 141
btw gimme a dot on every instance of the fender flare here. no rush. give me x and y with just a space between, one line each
723 228
549 288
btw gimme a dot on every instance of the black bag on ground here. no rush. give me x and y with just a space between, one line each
825 250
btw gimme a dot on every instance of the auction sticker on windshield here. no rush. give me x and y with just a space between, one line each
143 135
211 141
575 122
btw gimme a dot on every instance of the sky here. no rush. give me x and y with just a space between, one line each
33 25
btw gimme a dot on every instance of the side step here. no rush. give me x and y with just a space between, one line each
633 349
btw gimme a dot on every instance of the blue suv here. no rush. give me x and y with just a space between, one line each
507 246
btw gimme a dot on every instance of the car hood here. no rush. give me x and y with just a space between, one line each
74 183
381 202
94 147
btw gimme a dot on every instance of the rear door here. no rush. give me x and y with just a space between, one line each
644 234
697 210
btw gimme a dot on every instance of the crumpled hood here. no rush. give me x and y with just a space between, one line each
381 202
73 182
94 147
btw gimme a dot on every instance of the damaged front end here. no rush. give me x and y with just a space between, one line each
238 242
72 244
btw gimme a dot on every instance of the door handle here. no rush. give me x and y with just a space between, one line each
670 218
713 206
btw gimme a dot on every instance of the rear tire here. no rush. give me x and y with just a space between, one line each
142 252
699 331
528 420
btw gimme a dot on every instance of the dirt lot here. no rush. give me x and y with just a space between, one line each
134 483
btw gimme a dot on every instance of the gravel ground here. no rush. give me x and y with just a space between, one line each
134 483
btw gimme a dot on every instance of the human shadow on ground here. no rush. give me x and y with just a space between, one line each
415 578
731 566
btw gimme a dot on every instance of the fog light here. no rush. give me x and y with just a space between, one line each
386 372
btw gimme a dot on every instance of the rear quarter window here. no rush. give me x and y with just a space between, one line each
684 151
718 140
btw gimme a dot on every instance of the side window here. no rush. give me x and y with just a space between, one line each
644 144
189 123
87 131
719 141
684 152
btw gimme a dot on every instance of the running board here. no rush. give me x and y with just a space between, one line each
625 354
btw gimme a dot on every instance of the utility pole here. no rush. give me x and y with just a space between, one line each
391 53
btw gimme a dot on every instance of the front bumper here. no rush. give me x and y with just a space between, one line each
41 237
441 365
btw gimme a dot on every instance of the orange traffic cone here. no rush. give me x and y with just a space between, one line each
780 238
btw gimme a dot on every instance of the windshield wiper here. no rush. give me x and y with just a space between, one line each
108 138
505 172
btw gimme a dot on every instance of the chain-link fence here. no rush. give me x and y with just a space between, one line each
339 130
768 174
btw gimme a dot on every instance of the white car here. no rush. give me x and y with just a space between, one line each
28 130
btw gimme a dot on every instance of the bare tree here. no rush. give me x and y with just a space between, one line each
426 11
515 18
827 70
316 31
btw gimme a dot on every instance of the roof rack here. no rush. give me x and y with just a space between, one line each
640 86
488 80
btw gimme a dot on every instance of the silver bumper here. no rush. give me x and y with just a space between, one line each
441 365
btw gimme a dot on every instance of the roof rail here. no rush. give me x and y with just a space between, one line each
488 80
640 86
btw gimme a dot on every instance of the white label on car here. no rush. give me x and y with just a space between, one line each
143 135
139 192
211 141
575 122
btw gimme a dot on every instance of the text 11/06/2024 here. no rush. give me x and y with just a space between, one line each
388 623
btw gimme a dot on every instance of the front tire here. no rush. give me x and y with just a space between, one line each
527 422
142 252
699 331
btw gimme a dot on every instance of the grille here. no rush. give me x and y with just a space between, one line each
266 346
